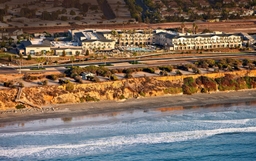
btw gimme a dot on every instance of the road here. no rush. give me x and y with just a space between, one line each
8 70
174 60
248 26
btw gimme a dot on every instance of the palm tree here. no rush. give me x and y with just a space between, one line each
64 53
119 38
183 27
194 26
196 29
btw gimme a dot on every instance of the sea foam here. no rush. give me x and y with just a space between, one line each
100 145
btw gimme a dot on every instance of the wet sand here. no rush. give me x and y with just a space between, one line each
163 103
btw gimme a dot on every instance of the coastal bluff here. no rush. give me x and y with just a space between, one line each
120 89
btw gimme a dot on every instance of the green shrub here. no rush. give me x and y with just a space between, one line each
21 84
189 86
8 84
113 77
149 70
52 77
163 73
88 98
196 70
173 90
121 97
183 67
70 87
178 72
227 82
166 68
134 62
36 68
20 106
128 75
45 82
142 94
248 81
62 81
207 83
29 57
203 90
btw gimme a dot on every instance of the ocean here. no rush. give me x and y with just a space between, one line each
218 132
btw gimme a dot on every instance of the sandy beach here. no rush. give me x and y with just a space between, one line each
166 103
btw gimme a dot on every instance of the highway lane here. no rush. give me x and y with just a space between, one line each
146 62
8 70
173 57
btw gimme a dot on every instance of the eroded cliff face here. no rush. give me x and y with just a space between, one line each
111 90
7 98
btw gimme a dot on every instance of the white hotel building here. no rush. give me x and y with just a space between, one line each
198 41
92 40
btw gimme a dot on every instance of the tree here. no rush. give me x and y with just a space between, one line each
183 27
87 52
29 57
63 53
72 13
246 62
196 29
64 18
10 58
77 53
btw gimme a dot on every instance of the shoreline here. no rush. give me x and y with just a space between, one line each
165 103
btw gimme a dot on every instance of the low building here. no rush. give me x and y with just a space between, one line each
34 49
68 51
38 49
199 41
135 37
93 41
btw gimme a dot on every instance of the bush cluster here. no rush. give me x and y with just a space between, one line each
28 77
63 81
228 82
149 70
206 84
9 84
166 68
88 98
55 76
189 86
20 106
228 64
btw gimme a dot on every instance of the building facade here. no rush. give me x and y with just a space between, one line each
37 49
94 41
135 37
199 41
